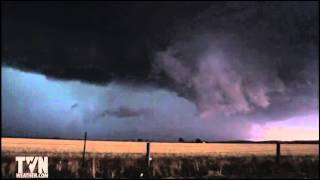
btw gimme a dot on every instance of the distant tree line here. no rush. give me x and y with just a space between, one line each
180 140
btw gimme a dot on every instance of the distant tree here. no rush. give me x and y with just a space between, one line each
181 139
198 140
139 140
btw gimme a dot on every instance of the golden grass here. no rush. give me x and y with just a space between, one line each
76 146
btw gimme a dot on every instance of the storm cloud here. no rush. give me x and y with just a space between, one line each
123 112
219 65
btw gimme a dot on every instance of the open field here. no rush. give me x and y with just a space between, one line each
76 146
105 159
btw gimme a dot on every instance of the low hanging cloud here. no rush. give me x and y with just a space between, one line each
74 106
126 112
251 67
218 83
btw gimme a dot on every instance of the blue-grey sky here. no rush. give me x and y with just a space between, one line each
36 106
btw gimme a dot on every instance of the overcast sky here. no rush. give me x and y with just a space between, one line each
216 71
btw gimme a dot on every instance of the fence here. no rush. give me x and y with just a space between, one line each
277 149
276 146
149 151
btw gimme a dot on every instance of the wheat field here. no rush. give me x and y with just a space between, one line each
76 146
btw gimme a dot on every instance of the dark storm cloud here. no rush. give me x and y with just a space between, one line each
100 41
92 42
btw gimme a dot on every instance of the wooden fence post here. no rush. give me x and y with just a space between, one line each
148 159
93 167
148 155
84 148
278 153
